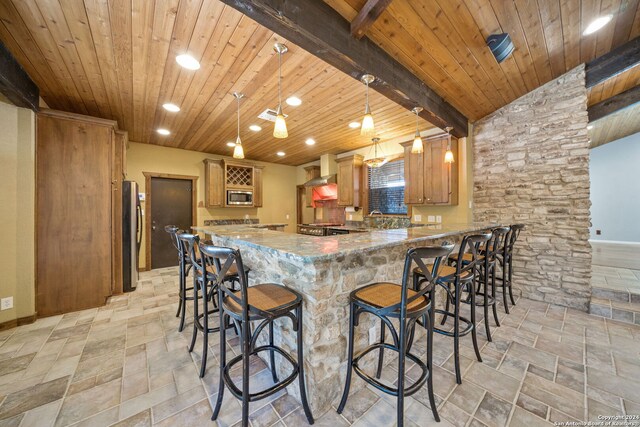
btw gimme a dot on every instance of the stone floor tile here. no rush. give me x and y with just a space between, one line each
104 418
467 397
198 414
358 403
285 405
15 364
621 386
83 405
42 416
134 385
14 421
454 414
264 417
177 403
532 405
493 381
554 395
538 357
596 409
513 367
32 397
522 418
141 419
492 411
146 400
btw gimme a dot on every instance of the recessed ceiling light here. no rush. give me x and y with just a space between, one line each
163 131
310 141
280 153
294 101
188 62
231 144
589 127
596 24
255 128
171 107
354 125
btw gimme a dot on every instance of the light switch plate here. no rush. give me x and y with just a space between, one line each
142 196
417 218
438 218
287 216
350 217
6 303
431 218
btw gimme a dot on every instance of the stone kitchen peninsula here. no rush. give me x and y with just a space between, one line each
325 270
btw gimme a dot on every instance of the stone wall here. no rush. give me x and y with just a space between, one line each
531 166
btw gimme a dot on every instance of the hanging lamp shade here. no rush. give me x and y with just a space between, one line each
367 128
377 160
280 128
417 146
448 156
238 151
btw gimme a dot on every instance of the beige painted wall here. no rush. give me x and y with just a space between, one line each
17 196
279 183
462 212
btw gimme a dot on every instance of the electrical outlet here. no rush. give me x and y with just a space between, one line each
373 336
438 218
598 232
431 218
287 216
470 204
6 303
350 217
417 218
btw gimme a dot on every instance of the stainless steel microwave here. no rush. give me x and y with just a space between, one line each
237 197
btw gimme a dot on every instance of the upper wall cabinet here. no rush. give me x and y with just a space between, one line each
428 179
221 175
350 180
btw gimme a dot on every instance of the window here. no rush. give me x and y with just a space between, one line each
386 188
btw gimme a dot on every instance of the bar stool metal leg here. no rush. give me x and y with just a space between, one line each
301 384
272 359
347 384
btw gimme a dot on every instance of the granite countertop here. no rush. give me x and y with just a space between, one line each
312 248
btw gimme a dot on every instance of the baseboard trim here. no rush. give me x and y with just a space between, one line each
17 322
614 242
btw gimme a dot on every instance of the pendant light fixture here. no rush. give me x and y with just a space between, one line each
280 129
376 161
417 146
367 128
448 156
238 151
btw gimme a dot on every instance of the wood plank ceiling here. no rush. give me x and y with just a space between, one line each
443 42
621 123
116 60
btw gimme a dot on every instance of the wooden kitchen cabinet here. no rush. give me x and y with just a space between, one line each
221 175
213 183
79 161
312 172
428 179
350 180
257 186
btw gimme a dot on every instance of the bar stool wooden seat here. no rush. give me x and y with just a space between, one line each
184 266
262 303
455 284
505 258
391 301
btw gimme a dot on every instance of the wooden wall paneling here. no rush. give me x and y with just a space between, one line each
529 17
117 176
74 214
604 36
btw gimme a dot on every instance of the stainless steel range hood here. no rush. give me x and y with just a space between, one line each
320 181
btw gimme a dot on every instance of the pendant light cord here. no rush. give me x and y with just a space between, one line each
280 79
238 99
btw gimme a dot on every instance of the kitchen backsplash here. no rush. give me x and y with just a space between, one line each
210 222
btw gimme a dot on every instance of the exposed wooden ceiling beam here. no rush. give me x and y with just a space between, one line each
613 63
15 83
367 16
316 27
615 103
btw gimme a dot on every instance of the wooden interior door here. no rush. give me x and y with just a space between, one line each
73 215
171 204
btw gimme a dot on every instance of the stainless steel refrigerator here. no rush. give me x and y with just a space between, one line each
131 234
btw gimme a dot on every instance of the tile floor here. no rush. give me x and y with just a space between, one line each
616 293
125 364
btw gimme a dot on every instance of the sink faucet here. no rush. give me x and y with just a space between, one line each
375 212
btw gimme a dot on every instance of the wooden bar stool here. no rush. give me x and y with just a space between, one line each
485 275
204 291
391 301
505 258
455 281
262 303
184 266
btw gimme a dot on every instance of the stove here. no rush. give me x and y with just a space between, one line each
317 229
